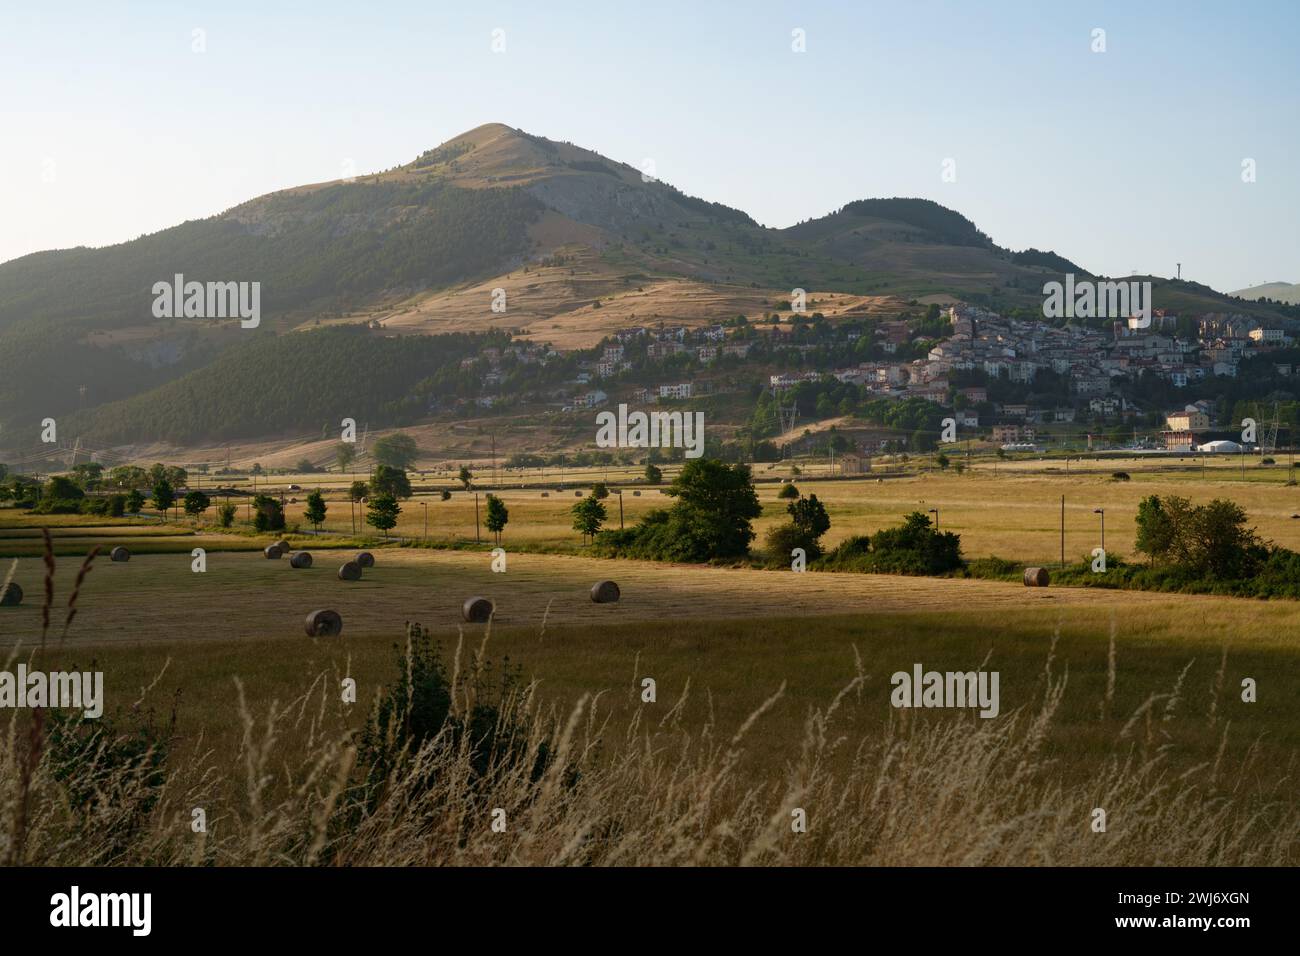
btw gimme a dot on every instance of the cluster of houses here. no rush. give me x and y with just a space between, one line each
706 345
1013 349
1017 350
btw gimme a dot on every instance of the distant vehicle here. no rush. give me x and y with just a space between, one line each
295 488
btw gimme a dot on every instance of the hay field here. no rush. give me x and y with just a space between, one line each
1008 509
1014 515
1189 772
157 598
1162 748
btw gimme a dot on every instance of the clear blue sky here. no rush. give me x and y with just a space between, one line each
1124 160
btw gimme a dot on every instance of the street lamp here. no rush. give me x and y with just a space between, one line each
1102 512
935 512
425 506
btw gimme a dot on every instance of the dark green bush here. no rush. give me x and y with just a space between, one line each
417 710
268 515
710 520
112 776
914 547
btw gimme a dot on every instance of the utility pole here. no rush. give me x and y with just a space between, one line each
620 509
477 539
1062 531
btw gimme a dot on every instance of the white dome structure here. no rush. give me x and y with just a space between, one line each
1221 447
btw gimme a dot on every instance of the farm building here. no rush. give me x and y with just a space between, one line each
852 463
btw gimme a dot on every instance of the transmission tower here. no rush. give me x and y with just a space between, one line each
1269 443
785 417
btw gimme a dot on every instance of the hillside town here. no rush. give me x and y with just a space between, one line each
967 369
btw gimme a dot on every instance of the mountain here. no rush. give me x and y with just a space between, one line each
577 244
1285 292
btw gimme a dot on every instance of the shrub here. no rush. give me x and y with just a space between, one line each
1119 476
784 538
429 708
112 778
268 515
914 547
56 506
226 514
711 519
788 490
196 502
391 481
61 488
1210 540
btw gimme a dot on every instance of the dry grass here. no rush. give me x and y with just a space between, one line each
762 710
156 598
1014 513
654 791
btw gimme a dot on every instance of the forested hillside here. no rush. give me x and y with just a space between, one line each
331 246
280 384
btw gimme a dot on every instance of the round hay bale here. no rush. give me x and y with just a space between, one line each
1037 577
604 592
546 494
577 494
284 546
324 623
351 571
365 559
636 494
12 596
477 610
273 552
119 554
300 559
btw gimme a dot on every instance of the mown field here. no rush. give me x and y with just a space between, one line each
1011 509
736 635
721 645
